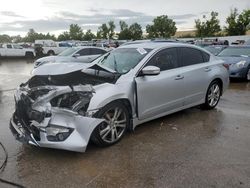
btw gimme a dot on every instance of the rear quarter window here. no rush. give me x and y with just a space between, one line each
206 57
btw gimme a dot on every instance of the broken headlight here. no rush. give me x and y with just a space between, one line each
76 101
57 133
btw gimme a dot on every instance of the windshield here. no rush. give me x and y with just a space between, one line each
123 60
235 52
68 52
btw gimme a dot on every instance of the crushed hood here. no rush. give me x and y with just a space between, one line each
59 68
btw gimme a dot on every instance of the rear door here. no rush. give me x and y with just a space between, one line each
162 93
196 72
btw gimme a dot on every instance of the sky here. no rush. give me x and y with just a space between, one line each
55 16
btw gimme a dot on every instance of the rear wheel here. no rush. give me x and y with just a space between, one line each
114 127
212 96
248 75
51 52
29 55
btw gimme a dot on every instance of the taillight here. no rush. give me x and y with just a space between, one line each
226 66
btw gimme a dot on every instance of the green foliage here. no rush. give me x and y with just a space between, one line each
133 32
163 27
5 38
238 24
106 31
32 35
75 32
208 27
103 31
89 35
136 31
64 36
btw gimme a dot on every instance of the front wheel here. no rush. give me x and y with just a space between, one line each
114 127
212 96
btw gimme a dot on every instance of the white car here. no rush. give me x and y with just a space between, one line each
15 50
84 54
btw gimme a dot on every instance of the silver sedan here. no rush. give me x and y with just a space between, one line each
126 87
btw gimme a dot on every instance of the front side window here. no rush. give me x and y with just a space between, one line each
9 46
190 56
165 59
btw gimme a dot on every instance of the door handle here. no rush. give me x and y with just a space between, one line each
207 69
179 77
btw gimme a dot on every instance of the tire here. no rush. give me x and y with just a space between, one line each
247 78
213 95
110 131
51 52
29 55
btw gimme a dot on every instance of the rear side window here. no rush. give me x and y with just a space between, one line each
165 59
96 51
9 46
84 52
190 56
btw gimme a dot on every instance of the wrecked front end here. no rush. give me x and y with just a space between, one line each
54 116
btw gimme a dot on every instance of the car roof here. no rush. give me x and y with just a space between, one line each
83 47
156 45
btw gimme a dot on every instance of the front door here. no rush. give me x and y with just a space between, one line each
163 93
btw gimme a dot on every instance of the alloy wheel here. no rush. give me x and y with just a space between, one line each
114 126
214 95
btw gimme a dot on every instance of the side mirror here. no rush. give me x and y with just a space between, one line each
150 71
76 55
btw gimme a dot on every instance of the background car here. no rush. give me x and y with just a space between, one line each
126 87
75 54
238 60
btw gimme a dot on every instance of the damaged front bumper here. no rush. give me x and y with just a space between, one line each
38 123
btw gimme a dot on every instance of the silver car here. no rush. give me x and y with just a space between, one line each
126 87
84 54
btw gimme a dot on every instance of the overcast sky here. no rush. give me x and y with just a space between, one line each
54 16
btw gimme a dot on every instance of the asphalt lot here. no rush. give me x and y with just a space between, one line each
191 148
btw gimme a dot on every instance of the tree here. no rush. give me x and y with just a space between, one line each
88 35
75 32
163 27
232 28
111 29
5 38
208 27
103 31
64 36
106 31
16 39
238 23
136 31
125 33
